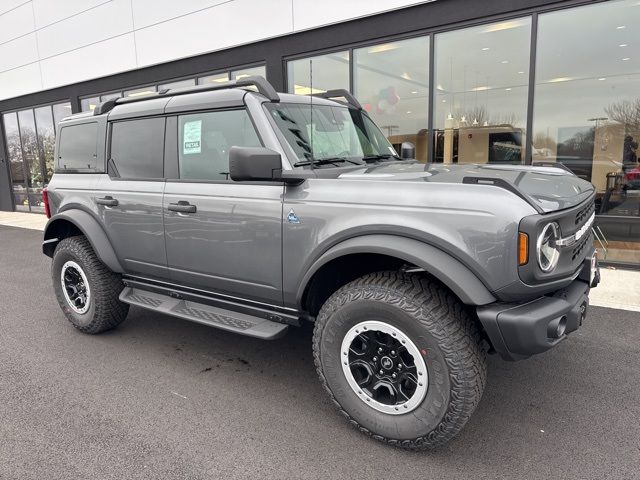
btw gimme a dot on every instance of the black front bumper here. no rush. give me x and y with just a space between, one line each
517 331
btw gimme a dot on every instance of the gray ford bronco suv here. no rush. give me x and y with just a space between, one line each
252 211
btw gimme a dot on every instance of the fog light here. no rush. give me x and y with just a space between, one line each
557 327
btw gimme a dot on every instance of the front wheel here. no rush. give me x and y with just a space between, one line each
86 289
401 359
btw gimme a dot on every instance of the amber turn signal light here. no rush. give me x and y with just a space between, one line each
523 248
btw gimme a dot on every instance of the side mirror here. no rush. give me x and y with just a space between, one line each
254 164
407 150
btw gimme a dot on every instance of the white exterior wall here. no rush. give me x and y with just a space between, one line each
49 43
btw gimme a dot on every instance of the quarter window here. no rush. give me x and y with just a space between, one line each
78 147
204 140
137 148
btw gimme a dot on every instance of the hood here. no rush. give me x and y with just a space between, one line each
547 188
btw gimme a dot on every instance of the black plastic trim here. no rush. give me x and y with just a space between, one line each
249 307
502 183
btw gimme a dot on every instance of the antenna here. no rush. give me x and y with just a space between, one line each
311 107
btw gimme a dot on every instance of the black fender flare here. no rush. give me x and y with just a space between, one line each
450 271
90 228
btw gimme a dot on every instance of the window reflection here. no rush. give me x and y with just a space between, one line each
89 103
248 72
14 151
325 72
46 140
189 82
32 158
587 111
391 81
481 90
216 78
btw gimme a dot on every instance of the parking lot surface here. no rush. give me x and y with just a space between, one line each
164 398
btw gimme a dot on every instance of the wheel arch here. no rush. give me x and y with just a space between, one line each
78 222
358 256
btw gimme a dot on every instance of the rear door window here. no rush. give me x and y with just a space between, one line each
137 149
78 147
204 140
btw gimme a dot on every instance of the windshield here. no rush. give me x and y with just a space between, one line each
329 132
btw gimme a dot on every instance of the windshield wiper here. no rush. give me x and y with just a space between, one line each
325 161
384 156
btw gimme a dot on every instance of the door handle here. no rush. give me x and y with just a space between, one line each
107 201
182 207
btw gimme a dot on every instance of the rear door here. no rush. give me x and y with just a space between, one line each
129 198
221 236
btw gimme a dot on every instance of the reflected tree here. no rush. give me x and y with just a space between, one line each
626 112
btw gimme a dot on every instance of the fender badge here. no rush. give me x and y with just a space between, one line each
292 217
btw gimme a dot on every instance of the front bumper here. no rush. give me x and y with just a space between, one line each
517 331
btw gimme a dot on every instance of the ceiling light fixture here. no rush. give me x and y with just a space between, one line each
504 61
621 27
623 45
497 27
385 47
484 49
626 58
560 79
602 79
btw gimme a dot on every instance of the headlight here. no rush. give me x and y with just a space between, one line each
547 250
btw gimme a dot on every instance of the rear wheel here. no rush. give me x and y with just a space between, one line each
85 288
401 359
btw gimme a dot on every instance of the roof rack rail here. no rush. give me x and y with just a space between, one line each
260 83
338 93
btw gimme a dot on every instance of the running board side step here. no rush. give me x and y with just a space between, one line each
208 315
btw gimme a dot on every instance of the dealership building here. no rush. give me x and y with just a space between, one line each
466 81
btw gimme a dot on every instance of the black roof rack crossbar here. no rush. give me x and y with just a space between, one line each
260 83
338 93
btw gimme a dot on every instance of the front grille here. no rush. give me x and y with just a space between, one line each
584 214
579 248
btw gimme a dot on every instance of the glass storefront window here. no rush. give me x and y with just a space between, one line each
14 150
140 92
481 89
247 72
189 82
32 158
391 81
30 139
110 96
326 72
46 139
587 112
60 110
216 78
89 103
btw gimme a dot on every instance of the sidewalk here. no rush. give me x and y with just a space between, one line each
34 221
618 289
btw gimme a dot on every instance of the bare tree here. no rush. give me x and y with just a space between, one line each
626 112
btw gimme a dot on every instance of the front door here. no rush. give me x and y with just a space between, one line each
222 236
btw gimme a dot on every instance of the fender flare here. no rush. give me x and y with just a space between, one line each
90 228
450 271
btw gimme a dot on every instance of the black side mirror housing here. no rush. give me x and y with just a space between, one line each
254 164
407 151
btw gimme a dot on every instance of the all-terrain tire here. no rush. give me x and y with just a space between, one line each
104 310
438 324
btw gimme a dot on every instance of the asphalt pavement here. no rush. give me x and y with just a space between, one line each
163 398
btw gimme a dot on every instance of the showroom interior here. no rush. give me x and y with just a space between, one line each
520 82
